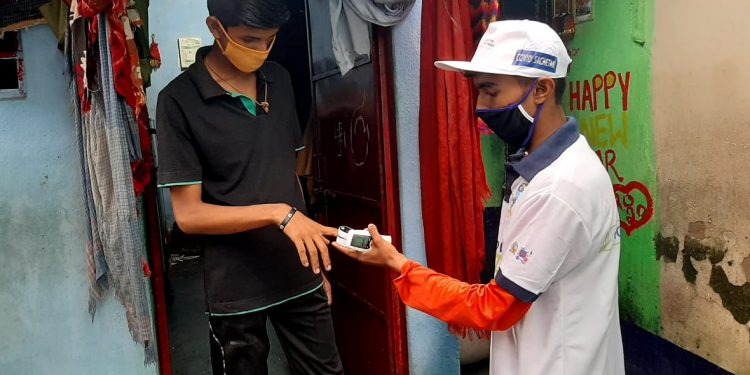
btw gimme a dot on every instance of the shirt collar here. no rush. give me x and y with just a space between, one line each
529 165
206 84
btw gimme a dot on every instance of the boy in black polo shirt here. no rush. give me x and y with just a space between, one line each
228 135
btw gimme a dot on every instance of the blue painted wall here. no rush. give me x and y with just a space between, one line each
441 355
173 19
44 322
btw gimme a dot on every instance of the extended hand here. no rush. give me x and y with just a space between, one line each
381 253
308 236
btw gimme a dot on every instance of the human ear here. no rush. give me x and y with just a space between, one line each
545 88
214 26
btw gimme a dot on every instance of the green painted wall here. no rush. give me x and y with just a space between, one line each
493 154
609 92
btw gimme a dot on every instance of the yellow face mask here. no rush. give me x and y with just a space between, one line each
246 60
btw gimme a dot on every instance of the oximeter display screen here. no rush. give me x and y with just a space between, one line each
362 242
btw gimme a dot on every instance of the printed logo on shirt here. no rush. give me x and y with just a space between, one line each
523 255
536 60
520 253
518 194
514 248
613 238
515 198
498 256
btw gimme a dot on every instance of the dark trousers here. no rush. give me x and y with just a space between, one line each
239 344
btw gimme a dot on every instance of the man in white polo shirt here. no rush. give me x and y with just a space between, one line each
552 307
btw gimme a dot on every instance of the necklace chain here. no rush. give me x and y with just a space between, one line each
264 105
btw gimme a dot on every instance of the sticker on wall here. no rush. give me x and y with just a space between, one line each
584 10
188 48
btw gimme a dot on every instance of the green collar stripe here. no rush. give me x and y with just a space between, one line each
271 305
247 102
179 184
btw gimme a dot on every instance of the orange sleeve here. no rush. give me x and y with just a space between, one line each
479 306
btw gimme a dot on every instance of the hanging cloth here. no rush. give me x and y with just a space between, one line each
351 34
482 14
110 141
117 213
381 12
155 60
454 186
56 13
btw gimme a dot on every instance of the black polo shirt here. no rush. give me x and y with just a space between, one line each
210 137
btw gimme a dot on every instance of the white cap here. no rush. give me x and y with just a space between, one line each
517 48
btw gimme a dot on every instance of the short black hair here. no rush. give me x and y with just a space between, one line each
560 84
262 14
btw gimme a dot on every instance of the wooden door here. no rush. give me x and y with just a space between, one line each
356 179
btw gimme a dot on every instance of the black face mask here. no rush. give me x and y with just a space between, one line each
512 124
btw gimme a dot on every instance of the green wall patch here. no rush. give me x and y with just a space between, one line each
609 92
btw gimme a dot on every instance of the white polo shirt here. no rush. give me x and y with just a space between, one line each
559 247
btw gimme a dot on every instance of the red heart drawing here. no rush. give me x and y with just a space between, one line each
636 215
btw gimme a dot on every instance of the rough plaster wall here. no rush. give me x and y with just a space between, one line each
702 129
44 321
441 356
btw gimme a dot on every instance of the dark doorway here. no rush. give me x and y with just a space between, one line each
355 178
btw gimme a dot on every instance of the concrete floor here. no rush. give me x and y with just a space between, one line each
188 325
188 329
